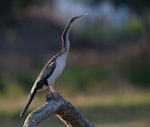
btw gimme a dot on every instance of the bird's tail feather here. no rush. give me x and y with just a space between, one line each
31 96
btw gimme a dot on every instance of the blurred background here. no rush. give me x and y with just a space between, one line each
107 76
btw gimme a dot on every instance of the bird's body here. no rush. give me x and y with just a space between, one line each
48 74
53 68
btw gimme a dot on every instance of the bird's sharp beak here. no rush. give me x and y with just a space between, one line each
85 14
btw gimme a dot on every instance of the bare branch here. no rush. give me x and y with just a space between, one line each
63 109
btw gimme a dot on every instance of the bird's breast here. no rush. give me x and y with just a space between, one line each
60 64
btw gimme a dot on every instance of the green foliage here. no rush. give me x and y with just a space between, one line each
13 89
130 30
2 86
26 79
133 28
80 78
121 110
75 78
138 71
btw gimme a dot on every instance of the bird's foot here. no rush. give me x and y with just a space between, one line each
52 95
56 95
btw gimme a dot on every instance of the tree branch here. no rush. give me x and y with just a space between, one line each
63 109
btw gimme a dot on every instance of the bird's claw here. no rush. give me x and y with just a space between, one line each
56 95
52 95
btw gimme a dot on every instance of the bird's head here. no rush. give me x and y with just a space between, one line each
78 17
67 29
65 41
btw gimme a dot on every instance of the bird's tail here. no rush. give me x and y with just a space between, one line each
31 96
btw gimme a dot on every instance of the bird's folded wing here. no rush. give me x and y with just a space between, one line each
47 71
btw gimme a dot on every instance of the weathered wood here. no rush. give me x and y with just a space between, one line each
63 109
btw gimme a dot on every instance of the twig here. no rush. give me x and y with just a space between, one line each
63 109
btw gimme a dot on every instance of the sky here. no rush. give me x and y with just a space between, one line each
104 10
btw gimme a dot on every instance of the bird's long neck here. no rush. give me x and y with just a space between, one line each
65 34
65 38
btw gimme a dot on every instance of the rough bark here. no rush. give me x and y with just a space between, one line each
63 109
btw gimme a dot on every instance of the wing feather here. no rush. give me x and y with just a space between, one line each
44 74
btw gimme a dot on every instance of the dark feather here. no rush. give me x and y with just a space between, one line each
46 71
31 96
39 83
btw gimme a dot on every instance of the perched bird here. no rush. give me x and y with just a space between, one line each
53 68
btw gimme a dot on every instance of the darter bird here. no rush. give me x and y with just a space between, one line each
53 68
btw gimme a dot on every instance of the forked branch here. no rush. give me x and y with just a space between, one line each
63 109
